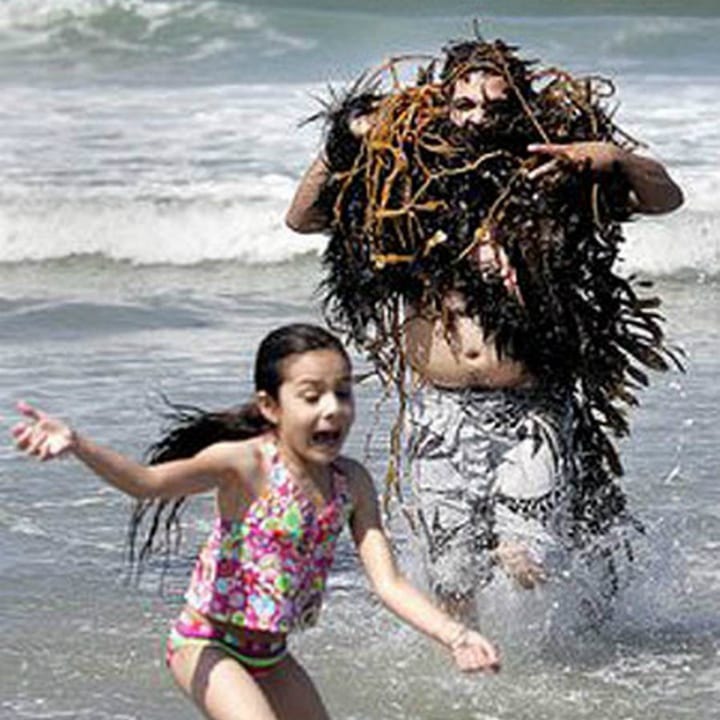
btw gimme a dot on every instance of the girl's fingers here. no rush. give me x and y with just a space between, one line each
31 440
476 663
40 436
36 445
23 437
490 654
488 657
52 448
57 446
477 654
29 411
18 429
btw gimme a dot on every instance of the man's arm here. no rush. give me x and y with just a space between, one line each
304 215
654 191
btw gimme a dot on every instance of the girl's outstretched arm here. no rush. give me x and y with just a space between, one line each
471 651
46 438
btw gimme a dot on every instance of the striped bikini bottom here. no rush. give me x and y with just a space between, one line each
257 657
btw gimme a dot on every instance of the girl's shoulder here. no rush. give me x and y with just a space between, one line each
359 480
244 458
352 469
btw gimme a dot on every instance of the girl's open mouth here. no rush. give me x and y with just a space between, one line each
328 438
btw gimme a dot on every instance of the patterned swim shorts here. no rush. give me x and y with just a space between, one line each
489 466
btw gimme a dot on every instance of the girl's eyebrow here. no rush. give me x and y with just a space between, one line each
315 382
308 381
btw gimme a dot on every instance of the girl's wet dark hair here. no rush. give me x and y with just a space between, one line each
286 341
190 429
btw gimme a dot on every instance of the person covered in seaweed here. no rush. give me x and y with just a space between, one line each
475 224
283 494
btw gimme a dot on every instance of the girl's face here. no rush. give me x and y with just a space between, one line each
315 407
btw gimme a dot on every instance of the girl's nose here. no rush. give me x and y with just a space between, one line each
330 404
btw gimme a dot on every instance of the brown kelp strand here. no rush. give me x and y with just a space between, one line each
417 202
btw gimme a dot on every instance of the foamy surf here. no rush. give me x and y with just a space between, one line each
252 231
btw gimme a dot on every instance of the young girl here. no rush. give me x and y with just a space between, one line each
283 493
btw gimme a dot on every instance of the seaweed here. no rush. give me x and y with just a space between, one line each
415 202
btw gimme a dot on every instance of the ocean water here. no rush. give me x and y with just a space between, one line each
148 151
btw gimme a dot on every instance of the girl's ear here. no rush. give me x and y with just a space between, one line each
268 406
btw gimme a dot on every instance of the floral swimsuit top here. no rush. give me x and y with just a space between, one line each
268 571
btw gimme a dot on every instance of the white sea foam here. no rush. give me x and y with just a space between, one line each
674 245
245 224
176 233
186 173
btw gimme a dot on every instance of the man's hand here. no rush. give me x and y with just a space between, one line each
601 156
360 125
516 561
492 258
362 120
653 190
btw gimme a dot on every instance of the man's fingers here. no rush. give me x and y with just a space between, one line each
531 576
542 169
546 148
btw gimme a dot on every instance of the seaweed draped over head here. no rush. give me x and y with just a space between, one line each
418 203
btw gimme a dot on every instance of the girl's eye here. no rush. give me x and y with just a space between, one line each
311 397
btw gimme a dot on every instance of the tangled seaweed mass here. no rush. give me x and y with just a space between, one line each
415 201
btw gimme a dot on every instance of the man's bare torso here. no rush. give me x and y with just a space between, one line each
460 355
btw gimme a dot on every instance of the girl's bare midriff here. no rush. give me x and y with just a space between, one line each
461 358
241 634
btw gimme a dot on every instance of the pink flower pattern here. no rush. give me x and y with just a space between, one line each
268 571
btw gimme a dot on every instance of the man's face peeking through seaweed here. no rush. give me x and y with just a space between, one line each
473 95
483 84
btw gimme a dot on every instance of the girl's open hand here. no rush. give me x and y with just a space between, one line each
474 653
41 436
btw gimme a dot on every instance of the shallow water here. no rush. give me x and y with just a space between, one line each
82 643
